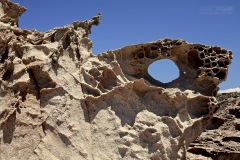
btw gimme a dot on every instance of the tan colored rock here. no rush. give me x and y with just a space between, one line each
221 140
10 12
59 101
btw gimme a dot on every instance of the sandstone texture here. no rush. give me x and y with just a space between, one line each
221 140
59 101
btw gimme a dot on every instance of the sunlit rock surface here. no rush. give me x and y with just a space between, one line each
59 101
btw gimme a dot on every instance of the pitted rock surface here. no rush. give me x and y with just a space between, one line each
221 140
59 101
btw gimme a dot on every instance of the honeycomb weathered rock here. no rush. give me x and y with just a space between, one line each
59 101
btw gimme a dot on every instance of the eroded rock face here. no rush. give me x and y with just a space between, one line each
59 101
9 13
221 140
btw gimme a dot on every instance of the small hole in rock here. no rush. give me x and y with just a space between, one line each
209 74
164 70
140 55
212 59
207 61
221 75
202 55
215 70
200 151
154 48
215 123
235 112
214 64
234 139
237 127
221 64
200 49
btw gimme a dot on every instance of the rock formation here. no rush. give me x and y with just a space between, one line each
221 140
59 101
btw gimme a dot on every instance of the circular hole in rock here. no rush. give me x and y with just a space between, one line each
164 70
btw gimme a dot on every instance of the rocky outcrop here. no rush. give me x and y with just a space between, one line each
59 101
221 140
9 13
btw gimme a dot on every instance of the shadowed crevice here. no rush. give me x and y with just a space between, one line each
9 128
35 82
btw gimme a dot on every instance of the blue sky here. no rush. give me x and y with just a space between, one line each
125 22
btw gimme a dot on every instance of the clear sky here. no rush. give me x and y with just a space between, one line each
125 22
